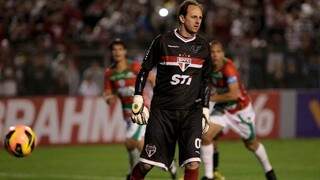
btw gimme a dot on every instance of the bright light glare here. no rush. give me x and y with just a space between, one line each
163 12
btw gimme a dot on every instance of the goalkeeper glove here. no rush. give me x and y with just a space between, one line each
205 120
140 113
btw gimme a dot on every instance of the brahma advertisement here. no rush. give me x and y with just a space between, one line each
78 120
65 120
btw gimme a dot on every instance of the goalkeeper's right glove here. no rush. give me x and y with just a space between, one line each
140 113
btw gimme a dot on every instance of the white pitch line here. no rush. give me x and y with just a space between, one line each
55 176
62 176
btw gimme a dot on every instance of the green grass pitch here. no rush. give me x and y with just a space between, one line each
291 159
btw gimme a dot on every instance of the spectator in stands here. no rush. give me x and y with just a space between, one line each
89 87
73 76
38 76
96 71
8 85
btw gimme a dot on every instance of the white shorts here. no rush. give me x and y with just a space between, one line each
135 131
241 122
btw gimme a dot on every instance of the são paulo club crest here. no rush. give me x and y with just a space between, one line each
150 150
184 63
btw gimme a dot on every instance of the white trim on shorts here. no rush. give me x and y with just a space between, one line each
194 159
158 164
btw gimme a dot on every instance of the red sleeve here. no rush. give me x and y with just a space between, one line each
230 72
107 82
135 66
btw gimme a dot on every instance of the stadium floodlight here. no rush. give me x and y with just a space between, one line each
142 1
163 12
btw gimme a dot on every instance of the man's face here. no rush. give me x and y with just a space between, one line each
119 52
217 55
192 20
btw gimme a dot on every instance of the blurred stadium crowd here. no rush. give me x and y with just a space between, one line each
54 47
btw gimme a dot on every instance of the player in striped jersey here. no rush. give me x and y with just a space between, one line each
233 109
119 82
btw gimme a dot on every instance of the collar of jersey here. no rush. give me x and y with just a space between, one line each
182 38
224 62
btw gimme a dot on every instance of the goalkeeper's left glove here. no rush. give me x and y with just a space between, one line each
205 120
137 104
140 113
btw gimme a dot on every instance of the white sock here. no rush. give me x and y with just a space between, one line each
206 156
262 156
133 158
173 167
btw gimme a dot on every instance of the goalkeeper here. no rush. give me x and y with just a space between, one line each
180 99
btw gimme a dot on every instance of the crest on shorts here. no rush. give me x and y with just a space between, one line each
184 63
150 150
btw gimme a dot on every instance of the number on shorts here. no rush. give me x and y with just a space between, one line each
197 143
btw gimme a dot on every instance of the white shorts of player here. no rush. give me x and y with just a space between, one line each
135 131
241 122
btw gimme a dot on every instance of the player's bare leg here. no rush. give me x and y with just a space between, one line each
134 148
258 149
207 149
